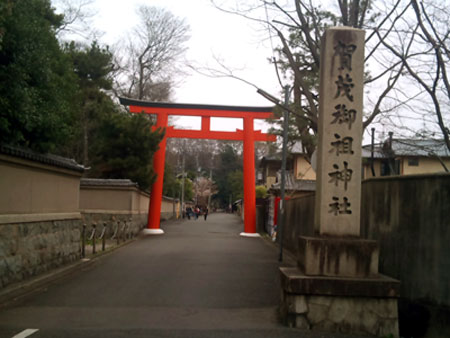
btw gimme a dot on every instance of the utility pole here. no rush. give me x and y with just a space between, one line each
283 172
372 150
182 184
210 189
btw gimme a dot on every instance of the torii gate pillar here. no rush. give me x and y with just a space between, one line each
249 180
154 208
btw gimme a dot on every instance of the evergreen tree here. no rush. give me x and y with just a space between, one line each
93 67
226 176
125 149
37 84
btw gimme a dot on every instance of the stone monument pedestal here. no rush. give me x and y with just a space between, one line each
336 287
337 304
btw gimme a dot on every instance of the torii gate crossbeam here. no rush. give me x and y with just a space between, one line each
248 135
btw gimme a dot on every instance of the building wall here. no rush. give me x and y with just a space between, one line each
426 165
303 169
270 180
367 172
39 218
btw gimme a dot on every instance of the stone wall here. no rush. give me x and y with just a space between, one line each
366 315
30 248
39 214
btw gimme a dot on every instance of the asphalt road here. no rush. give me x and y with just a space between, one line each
199 279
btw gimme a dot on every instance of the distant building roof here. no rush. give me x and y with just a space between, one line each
48 159
272 158
293 184
107 182
408 147
296 149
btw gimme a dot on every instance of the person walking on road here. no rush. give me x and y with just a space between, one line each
205 212
197 212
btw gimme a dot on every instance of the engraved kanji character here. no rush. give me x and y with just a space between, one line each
342 146
339 208
344 175
344 115
345 54
344 86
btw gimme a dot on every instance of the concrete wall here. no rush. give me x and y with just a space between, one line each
170 208
100 200
112 202
39 216
36 191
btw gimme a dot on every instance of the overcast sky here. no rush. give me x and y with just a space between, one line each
241 45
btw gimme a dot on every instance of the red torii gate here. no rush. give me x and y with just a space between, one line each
248 135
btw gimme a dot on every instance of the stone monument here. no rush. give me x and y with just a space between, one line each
336 286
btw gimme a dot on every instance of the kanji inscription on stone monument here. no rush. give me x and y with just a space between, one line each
338 191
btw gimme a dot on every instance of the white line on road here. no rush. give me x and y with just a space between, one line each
25 333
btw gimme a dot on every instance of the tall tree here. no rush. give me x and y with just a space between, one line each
391 100
37 84
124 149
148 62
226 174
431 71
93 67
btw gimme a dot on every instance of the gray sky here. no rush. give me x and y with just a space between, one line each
238 43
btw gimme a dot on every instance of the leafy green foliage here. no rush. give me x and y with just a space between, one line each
93 67
236 182
55 99
5 12
261 191
125 149
228 176
37 84
173 182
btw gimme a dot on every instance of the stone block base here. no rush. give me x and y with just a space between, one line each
346 305
343 257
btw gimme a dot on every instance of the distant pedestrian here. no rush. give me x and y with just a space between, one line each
205 212
188 212
197 212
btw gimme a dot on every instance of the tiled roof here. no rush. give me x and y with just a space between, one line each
48 159
408 147
107 182
293 184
